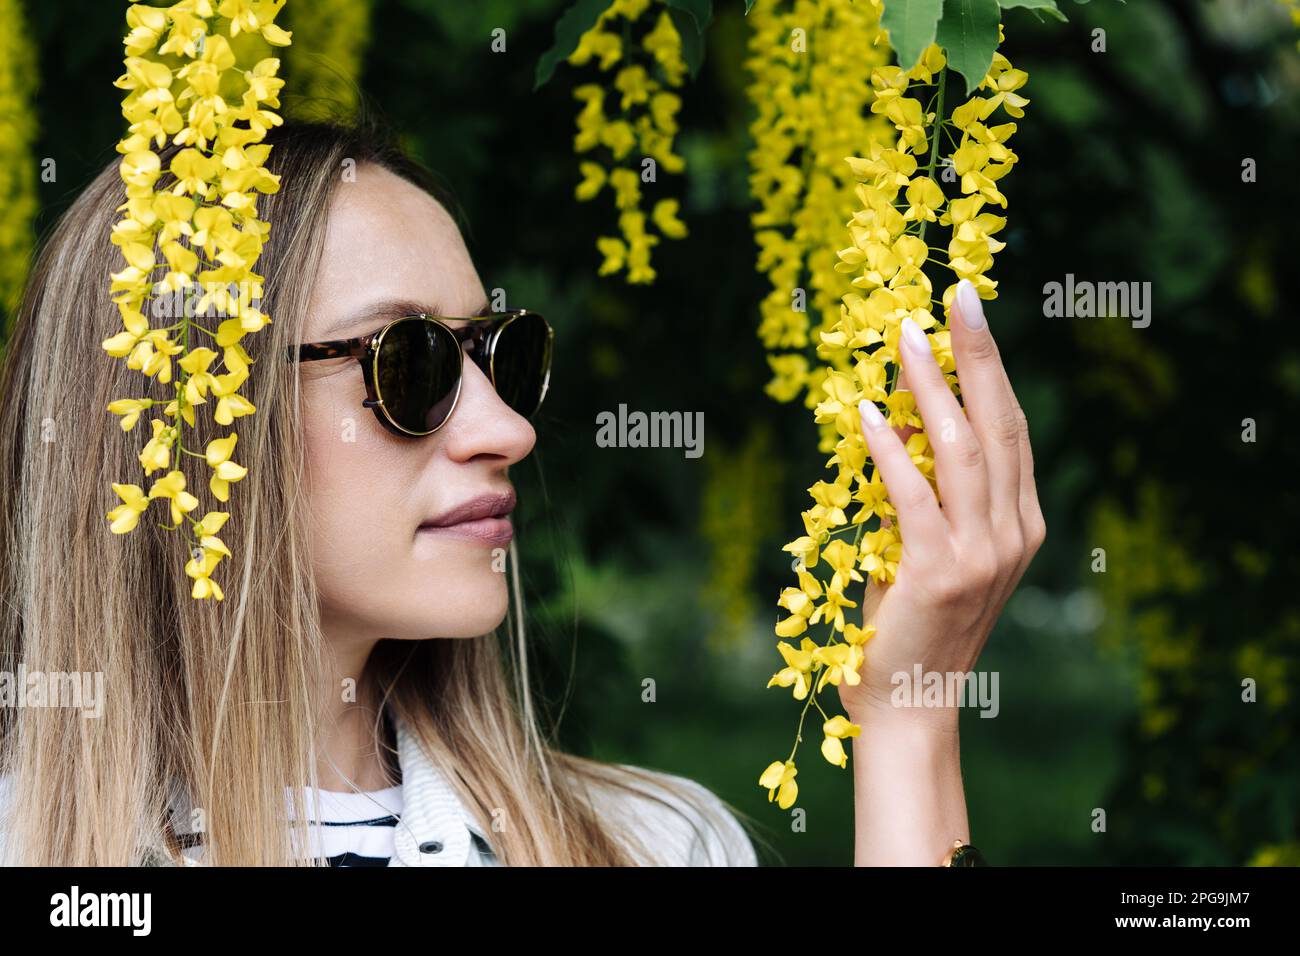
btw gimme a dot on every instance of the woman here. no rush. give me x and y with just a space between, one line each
352 678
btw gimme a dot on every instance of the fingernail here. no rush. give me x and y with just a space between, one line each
871 417
969 306
915 338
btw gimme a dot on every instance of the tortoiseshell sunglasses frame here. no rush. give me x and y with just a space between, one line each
481 332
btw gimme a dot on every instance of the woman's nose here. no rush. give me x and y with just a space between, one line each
483 424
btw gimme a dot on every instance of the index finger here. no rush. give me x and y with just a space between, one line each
909 491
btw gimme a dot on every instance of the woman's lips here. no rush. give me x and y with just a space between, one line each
495 531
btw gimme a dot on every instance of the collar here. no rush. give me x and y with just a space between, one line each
436 829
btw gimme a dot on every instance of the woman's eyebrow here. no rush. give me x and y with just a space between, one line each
386 310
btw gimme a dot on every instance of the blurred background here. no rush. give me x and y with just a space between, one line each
1120 690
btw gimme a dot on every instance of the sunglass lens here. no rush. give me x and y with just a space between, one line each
521 362
419 374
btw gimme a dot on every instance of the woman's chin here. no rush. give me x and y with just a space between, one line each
460 606
416 604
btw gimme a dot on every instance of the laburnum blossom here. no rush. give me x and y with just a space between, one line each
200 379
887 250
1004 81
779 780
835 730
923 197
627 123
130 409
800 602
840 555
832 609
255 16
172 487
840 662
157 452
192 228
127 514
798 665
224 471
208 555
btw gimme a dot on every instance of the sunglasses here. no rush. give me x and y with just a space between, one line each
413 366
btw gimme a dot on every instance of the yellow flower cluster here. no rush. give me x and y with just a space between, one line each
206 228
810 62
887 257
324 62
637 136
17 139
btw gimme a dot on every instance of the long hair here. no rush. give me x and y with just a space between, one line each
217 697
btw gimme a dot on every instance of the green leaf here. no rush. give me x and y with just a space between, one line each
748 5
911 25
692 39
1047 6
574 22
701 11
968 34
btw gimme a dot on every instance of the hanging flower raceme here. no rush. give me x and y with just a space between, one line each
904 194
626 128
810 64
198 237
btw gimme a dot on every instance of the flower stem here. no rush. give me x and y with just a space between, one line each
934 144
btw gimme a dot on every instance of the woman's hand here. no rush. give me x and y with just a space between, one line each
961 560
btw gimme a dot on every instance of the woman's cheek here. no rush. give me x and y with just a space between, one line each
349 543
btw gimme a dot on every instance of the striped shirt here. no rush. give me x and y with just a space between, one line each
354 829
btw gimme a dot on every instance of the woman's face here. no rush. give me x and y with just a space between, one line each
379 573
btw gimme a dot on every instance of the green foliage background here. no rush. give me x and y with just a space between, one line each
1120 690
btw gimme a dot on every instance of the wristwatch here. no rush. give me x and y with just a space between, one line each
963 854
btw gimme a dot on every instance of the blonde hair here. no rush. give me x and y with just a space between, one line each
218 696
